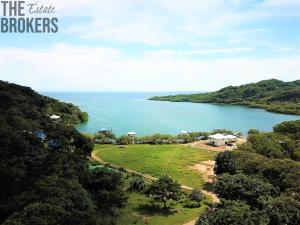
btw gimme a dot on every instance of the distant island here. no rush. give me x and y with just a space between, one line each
272 95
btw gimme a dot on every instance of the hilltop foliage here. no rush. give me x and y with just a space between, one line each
272 95
47 181
284 142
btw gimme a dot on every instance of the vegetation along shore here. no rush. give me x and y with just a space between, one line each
272 95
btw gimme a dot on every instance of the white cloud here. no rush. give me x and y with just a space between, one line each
170 21
65 67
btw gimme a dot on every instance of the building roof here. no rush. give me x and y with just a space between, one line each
54 117
217 136
40 134
230 136
131 133
222 136
183 132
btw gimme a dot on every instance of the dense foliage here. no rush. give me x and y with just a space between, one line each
284 142
165 189
44 176
272 95
259 185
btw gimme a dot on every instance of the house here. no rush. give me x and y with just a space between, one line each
105 131
183 132
40 135
55 117
131 134
221 139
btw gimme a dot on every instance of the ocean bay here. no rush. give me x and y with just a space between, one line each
131 111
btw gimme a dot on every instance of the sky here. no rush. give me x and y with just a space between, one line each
157 45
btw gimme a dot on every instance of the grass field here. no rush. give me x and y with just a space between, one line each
140 211
158 160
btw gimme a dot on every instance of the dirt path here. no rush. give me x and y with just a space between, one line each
193 222
207 169
204 145
166 165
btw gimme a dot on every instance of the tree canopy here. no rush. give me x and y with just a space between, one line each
46 180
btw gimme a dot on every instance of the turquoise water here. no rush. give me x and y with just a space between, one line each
125 112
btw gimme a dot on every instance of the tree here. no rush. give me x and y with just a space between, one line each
125 140
65 198
107 189
290 128
245 188
296 153
84 117
38 214
253 131
226 163
165 189
272 145
284 211
229 213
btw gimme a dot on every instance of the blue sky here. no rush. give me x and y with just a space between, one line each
157 45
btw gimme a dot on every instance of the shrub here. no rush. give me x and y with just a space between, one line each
196 195
137 183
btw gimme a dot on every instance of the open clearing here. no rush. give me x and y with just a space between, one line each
141 210
189 166
158 160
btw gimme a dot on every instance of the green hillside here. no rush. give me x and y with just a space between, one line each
44 176
34 106
272 95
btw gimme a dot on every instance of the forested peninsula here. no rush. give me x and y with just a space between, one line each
272 95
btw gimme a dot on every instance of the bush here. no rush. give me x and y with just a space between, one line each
137 183
191 204
197 195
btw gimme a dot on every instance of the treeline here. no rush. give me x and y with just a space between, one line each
110 138
272 95
43 183
258 184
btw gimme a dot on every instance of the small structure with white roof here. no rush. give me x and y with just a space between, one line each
105 131
221 139
54 117
183 132
131 134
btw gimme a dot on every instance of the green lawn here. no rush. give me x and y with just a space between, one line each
140 211
158 160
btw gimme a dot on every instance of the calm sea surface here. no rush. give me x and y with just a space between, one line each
125 112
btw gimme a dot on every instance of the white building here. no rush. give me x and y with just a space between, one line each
55 117
131 134
183 132
221 139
